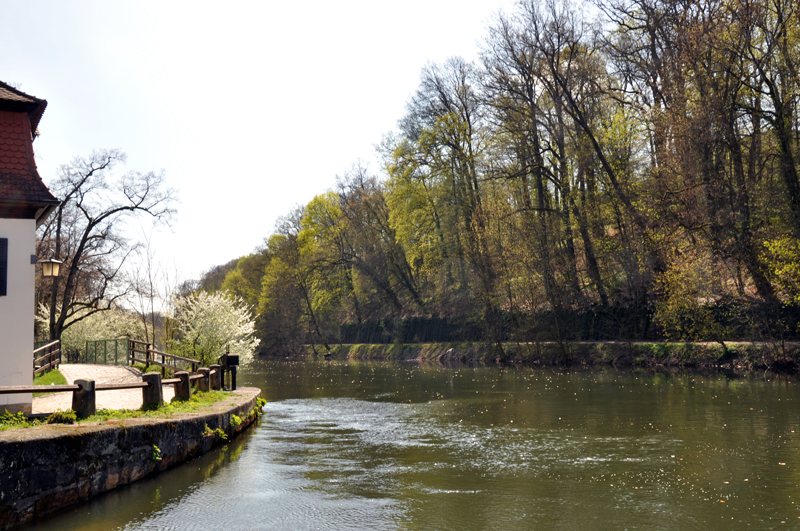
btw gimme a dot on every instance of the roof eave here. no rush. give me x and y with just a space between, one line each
43 213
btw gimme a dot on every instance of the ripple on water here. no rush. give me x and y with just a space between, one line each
494 461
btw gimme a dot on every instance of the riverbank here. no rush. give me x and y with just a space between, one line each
48 467
778 357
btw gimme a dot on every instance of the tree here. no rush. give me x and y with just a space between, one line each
113 322
244 280
443 154
151 285
587 177
87 232
210 324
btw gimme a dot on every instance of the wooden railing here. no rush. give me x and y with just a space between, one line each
137 347
46 358
140 352
83 391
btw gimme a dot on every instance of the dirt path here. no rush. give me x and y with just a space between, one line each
123 399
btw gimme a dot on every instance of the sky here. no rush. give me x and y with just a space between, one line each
250 108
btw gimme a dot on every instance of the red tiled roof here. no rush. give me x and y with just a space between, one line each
12 99
7 92
19 180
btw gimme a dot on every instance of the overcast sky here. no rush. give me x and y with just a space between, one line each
249 107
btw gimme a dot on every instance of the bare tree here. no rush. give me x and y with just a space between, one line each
87 232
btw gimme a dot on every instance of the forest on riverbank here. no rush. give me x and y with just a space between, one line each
629 175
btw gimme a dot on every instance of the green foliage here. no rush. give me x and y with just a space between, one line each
62 417
320 222
11 421
155 453
235 420
244 281
684 310
783 260
539 189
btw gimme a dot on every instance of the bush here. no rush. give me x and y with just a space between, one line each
62 417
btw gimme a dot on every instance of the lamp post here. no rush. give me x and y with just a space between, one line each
50 266
50 269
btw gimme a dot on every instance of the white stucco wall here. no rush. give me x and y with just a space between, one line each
17 311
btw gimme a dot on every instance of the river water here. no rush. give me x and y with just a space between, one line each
380 445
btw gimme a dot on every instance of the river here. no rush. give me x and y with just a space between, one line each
381 445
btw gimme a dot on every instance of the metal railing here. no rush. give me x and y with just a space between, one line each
106 351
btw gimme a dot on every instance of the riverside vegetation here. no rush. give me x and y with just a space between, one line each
628 178
621 354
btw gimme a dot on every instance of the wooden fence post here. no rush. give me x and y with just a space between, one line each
216 378
152 395
183 391
83 400
203 384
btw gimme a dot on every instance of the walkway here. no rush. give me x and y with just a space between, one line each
122 399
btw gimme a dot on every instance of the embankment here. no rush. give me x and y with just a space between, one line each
48 467
779 357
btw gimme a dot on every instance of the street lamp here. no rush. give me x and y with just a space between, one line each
50 266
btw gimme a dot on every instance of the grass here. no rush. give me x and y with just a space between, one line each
199 400
49 378
168 373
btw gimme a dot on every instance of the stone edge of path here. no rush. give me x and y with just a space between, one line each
45 468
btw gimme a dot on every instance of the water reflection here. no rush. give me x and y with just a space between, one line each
404 446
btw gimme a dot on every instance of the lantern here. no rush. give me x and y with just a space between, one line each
50 266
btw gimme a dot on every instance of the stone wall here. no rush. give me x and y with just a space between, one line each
48 467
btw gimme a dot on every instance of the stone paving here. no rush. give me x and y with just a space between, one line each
122 399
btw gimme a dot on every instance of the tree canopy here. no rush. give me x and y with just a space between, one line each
633 176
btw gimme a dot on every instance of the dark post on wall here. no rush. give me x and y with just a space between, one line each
3 266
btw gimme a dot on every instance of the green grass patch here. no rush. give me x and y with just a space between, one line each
12 421
199 400
53 377
168 373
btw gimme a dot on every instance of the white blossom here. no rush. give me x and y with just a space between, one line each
111 323
210 323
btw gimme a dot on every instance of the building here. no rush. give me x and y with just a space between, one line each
25 202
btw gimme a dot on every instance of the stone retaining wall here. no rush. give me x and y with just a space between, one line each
778 357
48 467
